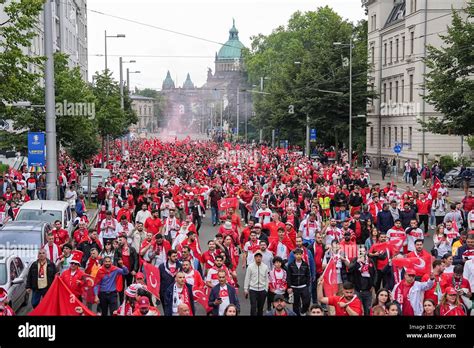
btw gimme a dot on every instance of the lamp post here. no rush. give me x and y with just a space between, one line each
105 39
350 94
128 77
122 97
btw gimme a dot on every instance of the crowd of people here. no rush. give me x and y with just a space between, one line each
310 238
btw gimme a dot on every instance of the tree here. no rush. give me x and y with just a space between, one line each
449 82
299 61
75 108
16 82
111 119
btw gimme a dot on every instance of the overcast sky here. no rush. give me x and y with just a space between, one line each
209 19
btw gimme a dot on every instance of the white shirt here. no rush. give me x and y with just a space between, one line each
309 228
142 216
224 295
469 273
266 215
415 234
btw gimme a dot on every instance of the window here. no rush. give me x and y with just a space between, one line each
372 54
401 135
390 92
383 136
375 21
371 136
411 88
396 134
410 135
391 52
403 47
396 91
403 90
396 50
384 92
414 5
389 136
412 42
385 53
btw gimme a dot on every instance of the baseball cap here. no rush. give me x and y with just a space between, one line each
279 298
257 253
144 302
410 271
451 291
139 275
289 223
258 225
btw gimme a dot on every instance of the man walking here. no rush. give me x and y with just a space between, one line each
256 284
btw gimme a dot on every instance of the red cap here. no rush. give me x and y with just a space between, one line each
77 256
144 302
451 291
139 275
410 271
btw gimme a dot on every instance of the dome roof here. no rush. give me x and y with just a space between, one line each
232 49
168 83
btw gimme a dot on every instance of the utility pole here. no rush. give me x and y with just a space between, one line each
122 101
105 50
51 151
308 152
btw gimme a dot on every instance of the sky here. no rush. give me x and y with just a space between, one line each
207 19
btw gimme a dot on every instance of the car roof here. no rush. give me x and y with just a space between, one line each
44 205
23 226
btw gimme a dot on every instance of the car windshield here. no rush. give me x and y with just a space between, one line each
12 239
39 215
3 273
94 181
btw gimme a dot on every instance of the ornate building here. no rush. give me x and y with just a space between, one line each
215 104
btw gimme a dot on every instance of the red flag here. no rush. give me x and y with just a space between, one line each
393 246
417 263
434 189
152 275
202 298
330 278
226 203
59 300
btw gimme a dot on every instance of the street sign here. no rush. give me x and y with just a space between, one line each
312 134
36 149
397 149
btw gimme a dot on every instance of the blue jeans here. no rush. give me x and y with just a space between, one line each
214 215
36 296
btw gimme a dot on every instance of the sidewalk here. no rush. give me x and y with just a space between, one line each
455 194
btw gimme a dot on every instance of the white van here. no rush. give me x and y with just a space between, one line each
48 211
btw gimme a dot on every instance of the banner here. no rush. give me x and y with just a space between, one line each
36 149
330 279
226 203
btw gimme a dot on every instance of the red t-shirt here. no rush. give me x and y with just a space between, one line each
355 305
152 225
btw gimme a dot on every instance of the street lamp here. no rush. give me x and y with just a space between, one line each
350 94
128 77
122 97
110 36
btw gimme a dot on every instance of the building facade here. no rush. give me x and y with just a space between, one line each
69 33
214 105
398 33
144 108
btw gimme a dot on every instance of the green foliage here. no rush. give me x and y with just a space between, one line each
16 82
447 163
12 141
111 119
449 82
470 142
4 168
308 38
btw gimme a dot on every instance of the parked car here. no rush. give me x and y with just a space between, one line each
103 172
453 177
23 239
47 211
13 273
95 180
